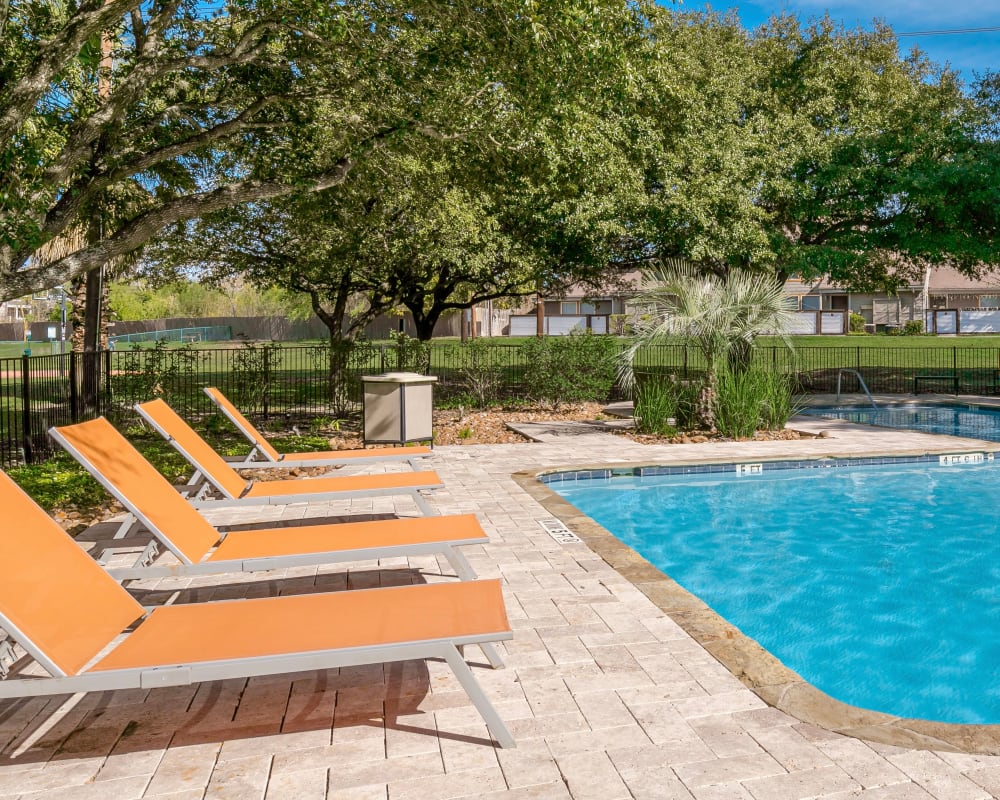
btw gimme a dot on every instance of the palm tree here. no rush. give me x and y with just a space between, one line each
722 317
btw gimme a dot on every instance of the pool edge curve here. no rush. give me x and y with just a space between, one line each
759 670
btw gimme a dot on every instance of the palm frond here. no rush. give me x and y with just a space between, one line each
710 312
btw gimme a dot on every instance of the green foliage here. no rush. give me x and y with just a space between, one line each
739 403
250 375
148 300
809 148
574 368
411 355
314 442
856 323
722 317
252 102
482 371
913 327
61 483
344 363
142 374
752 399
779 404
656 406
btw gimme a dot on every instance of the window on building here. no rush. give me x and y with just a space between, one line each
568 307
838 302
811 302
989 301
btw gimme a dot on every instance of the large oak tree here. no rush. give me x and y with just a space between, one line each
215 105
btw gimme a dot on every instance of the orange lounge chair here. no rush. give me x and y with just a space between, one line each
65 612
201 549
212 473
262 448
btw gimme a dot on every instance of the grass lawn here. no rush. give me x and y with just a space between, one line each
887 342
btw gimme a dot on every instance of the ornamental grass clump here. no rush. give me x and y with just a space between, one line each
751 400
664 405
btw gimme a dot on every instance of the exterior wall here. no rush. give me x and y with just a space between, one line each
558 324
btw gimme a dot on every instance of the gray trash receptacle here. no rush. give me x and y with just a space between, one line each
398 408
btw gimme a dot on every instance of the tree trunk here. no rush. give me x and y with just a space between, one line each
338 376
78 301
423 324
704 411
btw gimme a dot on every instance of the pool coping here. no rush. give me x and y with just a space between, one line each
754 666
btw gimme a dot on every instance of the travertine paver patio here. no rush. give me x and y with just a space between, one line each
607 697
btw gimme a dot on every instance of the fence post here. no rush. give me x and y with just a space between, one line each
685 361
266 369
26 410
74 395
105 392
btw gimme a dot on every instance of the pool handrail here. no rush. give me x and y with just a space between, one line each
861 381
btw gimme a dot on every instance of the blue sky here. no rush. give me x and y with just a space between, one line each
967 53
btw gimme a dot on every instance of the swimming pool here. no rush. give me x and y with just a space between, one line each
973 422
877 583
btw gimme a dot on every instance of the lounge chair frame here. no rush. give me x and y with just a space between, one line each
68 615
260 458
202 483
145 566
58 682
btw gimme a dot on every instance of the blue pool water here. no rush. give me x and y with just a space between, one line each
880 585
975 422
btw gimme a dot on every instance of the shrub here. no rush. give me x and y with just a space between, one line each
752 400
914 327
481 373
250 375
856 323
571 368
142 374
412 355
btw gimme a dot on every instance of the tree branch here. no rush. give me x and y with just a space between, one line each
19 99
142 228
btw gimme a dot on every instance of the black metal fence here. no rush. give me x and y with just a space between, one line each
304 382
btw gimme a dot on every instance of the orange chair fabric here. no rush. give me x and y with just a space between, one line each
222 474
53 592
125 468
227 479
342 483
271 542
184 634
